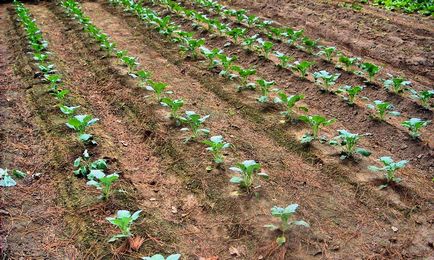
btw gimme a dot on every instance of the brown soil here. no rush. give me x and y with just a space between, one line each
185 208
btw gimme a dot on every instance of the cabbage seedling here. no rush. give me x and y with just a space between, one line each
244 74
289 102
54 80
381 108
327 79
61 94
102 182
265 89
284 59
216 145
46 68
390 167
286 216
396 84
351 92
265 47
348 62
6 179
161 257
371 69
144 77
293 35
309 44
247 170
68 110
423 96
191 45
121 54
131 63
194 121
158 88
236 33
348 142
327 52
415 125
83 166
316 122
123 221
226 62
79 123
302 67
174 105
249 41
40 57
211 55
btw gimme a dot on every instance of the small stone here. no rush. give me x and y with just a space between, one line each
174 210
395 229
152 199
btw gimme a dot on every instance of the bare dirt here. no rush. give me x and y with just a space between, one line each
187 209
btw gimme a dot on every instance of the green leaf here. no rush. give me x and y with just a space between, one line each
281 240
19 174
363 152
236 180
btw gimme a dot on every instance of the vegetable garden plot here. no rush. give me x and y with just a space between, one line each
212 142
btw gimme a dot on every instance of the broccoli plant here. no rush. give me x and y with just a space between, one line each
390 167
158 88
265 89
348 141
348 62
83 165
68 110
316 122
247 170
174 105
284 59
161 257
54 80
79 123
46 68
102 182
327 52
216 145
236 33
381 108
211 56
370 69
6 179
40 57
423 96
244 74
293 35
60 94
302 67
289 102
350 92
123 220
265 47
226 62
396 84
286 216
415 125
191 45
194 121
249 41
143 76
326 79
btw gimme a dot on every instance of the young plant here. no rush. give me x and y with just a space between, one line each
423 96
216 145
79 123
46 69
158 88
68 110
265 47
348 62
83 165
244 74
316 122
6 179
191 45
286 216
247 170
302 67
326 79
348 142
309 44
415 125
396 84
102 182
60 94
293 35
123 221
350 93
289 102
194 121
327 52
236 33
174 105
54 80
390 167
249 41
265 89
130 62
143 76
226 62
161 257
381 108
211 56
284 59
370 69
